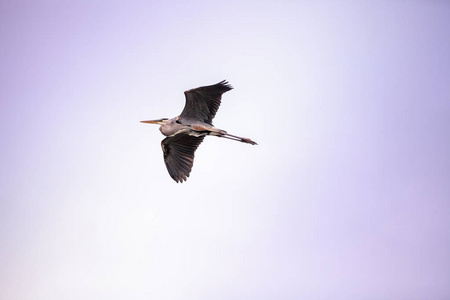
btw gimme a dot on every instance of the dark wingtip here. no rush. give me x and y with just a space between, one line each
222 86
226 84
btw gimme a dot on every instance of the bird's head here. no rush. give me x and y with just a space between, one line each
159 121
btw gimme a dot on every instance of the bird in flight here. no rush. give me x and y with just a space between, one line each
187 131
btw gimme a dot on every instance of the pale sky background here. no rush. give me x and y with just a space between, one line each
347 195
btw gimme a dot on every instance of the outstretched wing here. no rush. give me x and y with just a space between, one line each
179 153
202 103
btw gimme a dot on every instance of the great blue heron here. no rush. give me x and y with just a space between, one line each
186 132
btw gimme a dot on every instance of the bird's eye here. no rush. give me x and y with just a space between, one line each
178 121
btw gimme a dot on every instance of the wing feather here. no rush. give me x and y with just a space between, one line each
178 152
202 103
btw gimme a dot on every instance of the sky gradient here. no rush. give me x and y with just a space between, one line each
347 195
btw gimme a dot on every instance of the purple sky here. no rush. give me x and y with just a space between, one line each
347 195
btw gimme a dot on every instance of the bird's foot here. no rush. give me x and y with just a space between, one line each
249 141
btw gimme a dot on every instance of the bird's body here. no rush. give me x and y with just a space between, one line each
174 126
186 131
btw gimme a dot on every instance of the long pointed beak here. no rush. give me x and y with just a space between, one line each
152 122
